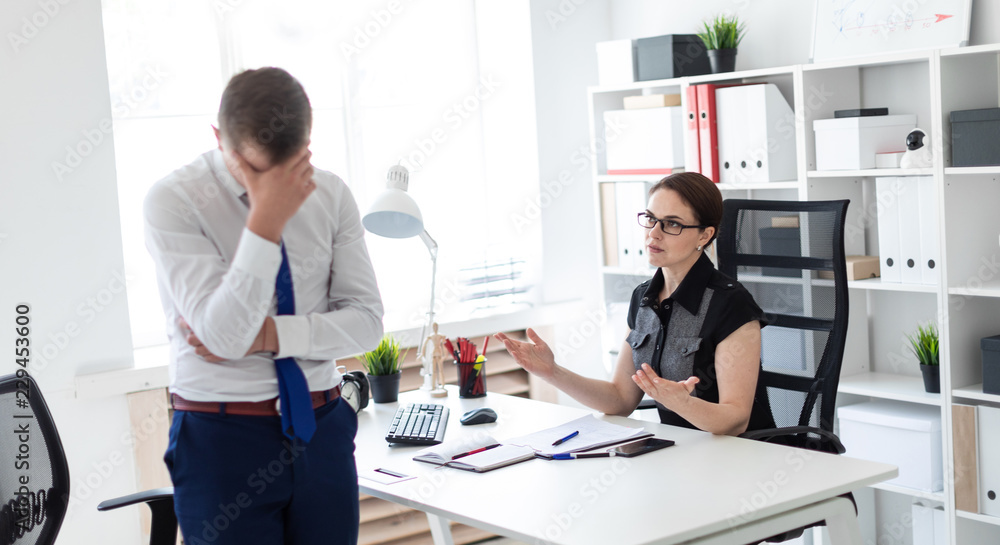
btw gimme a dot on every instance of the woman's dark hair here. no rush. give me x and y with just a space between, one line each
700 193
268 107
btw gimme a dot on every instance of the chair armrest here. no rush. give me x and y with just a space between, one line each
148 496
794 436
646 404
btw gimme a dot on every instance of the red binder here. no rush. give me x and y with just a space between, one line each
708 136
692 145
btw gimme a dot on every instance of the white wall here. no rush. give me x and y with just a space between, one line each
60 242
563 35
779 32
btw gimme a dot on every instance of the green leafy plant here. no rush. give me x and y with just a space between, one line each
723 32
925 344
385 359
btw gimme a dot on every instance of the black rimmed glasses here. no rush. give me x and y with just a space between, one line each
669 227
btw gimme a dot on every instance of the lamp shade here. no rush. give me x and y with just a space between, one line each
395 214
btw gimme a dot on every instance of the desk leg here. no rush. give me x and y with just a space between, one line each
838 513
441 530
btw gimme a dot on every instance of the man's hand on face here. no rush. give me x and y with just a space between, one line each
275 192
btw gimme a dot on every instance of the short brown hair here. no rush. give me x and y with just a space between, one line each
268 107
700 193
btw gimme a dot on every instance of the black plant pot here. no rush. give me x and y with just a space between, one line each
932 378
385 388
722 60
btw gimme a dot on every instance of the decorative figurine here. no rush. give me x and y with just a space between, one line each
918 151
437 365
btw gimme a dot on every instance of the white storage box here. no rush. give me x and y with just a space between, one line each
906 435
850 143
616 62
648 141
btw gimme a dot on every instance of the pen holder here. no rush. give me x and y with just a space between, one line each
471 379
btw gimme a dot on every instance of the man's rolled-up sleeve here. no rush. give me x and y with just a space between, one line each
353 322
207 292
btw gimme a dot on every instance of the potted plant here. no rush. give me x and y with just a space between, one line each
383 368
925 346
722 36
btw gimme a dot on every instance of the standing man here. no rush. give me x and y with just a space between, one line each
265 278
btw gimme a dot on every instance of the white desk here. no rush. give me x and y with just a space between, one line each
706 488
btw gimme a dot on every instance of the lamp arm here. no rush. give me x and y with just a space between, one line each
432 247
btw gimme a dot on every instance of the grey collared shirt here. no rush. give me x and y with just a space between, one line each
678 335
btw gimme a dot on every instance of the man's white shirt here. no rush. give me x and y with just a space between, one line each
219 276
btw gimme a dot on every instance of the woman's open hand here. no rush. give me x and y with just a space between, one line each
668 393
535 357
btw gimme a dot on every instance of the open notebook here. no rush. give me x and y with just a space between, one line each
491 456
592 433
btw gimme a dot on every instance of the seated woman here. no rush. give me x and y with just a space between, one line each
694 339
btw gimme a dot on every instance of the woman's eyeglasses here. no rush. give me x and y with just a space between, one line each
669 227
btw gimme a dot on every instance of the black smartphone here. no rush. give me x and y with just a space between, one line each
641 446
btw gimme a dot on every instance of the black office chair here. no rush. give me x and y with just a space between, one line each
777 250
34 475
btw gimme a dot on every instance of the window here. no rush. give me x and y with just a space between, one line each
389 82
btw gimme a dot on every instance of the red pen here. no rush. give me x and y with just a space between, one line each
476 451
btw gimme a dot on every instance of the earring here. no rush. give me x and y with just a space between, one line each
699 248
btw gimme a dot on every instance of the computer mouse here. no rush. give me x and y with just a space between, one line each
482 415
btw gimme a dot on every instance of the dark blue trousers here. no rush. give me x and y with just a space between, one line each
238 480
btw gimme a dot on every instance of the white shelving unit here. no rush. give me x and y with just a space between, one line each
965 304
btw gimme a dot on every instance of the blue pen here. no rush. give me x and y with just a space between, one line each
574 455
567 438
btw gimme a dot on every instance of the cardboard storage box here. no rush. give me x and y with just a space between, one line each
974 137
670 56
850 143
990 347
906 435
647 141
859 267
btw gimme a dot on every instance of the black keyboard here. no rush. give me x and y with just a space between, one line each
418 424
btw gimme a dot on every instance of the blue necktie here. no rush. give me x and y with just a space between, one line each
297 417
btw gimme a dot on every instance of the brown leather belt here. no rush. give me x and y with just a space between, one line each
268 407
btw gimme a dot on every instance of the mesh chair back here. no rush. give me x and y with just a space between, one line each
778 250
34 476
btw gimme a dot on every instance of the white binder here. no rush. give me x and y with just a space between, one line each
930 255
988 430
923 524
909 230
630 199
888 229
756 140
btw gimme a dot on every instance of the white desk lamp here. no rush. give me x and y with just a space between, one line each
395 214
